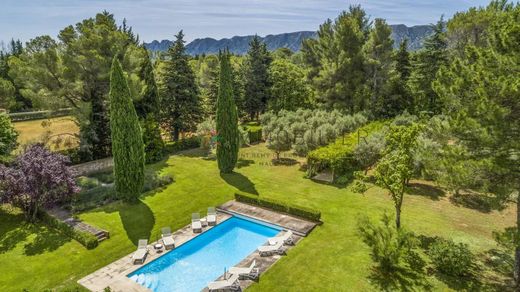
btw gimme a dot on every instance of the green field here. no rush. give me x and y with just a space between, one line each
332 258
35 131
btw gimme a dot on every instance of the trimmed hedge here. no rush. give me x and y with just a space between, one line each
255 132
279 206
86 239
183 144
38 115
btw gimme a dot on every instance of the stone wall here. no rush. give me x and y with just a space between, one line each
90 167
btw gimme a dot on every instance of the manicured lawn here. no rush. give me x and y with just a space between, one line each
33 131
332 258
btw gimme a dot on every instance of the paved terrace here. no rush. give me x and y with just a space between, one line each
114 275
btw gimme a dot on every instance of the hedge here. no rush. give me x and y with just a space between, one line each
38 115
279 206
255 132
86 239
339 156
182 144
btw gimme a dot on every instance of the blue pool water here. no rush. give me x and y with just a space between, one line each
201 260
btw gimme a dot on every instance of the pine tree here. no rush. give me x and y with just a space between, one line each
428 61
127 140
180 102
227 118
402 58
147 109
336 61
378 53
256 79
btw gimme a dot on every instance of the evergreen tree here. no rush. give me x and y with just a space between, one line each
127 140
427 62
147 109
180 104
256 78
402 58
378 53
10 96
336 60
75 72
289 91
227 118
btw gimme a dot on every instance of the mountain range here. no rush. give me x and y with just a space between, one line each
293 40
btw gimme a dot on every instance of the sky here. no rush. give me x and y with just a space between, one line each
161 19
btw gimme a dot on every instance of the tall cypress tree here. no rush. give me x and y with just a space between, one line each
227 118
180 102
127 140
256 79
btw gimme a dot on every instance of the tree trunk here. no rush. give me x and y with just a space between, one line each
517 248
397 217
175 134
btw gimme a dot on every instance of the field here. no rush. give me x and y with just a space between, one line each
331 258
52 129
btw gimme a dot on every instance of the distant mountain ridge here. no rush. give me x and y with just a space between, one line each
293 40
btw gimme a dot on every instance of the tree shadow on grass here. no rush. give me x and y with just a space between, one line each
46 240
284 161
425 190
138 220
401 279
479 202
240 182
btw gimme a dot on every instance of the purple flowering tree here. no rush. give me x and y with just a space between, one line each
36 178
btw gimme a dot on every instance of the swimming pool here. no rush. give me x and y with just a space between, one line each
201 260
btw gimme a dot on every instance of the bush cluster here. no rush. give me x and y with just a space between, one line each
307 129
182 144
280 206
86 239
340 155
450 258
255 132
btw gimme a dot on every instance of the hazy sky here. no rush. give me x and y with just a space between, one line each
161 19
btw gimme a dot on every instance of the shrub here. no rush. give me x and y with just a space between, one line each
182 144
154 181
391 248
86 239
339 156
255 134
279 206
87 183
359 187
450 258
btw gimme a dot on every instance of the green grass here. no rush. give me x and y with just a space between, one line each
332 258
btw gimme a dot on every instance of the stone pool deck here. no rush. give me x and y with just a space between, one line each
114 275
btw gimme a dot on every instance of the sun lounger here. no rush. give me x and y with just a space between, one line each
212 216
195 222
267 250
167 238
250 272
140 254
286 238
232 283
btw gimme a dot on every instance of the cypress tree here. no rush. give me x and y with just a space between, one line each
256 75
227 118
127 141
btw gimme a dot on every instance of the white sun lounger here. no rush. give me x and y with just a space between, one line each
232 283
167 238
286 238
195 222
140 254
212 216
250 272
267 250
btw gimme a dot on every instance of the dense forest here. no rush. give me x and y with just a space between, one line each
457 99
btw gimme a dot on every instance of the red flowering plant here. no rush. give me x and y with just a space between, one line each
37 178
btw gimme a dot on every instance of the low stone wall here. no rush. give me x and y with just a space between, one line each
94 166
